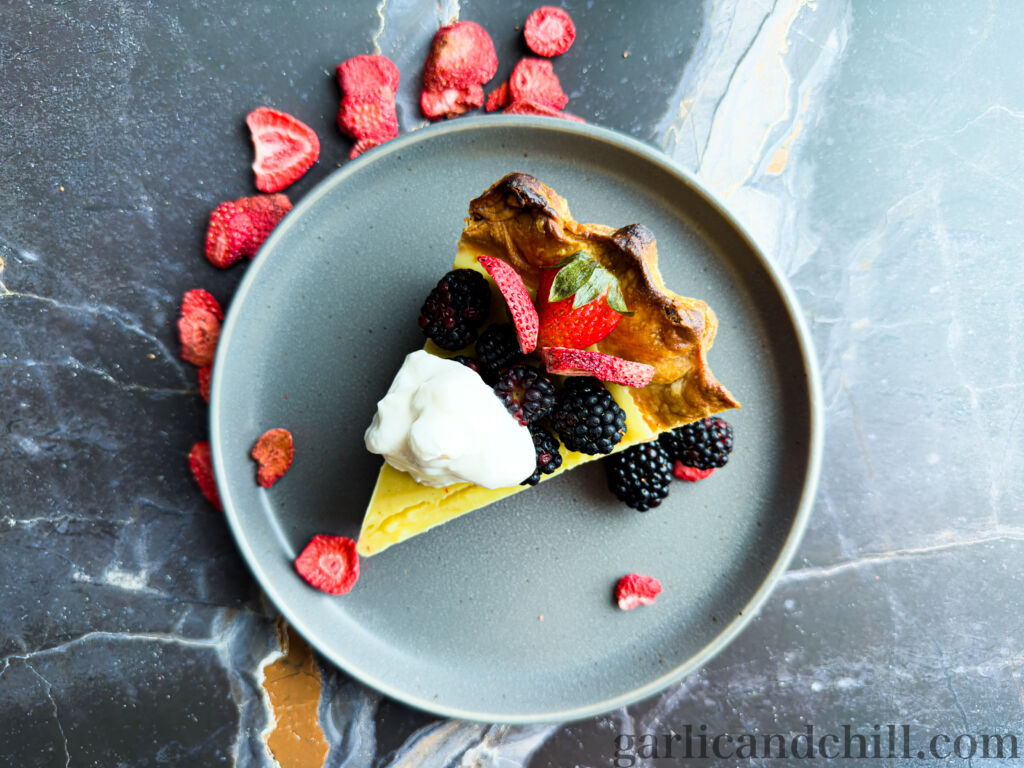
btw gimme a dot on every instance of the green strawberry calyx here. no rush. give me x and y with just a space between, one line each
585 280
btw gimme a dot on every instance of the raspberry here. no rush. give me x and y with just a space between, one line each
498 98
583 362
703 444
239 228
497 348
461 55
329 563
535 80
274 452
517 298
526 393
530 107
689 474
456 308
199 327
634 590
549 457
285 148
200 461
587 418
205 374
640 476
451 102
549 31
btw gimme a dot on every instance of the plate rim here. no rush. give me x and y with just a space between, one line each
781 285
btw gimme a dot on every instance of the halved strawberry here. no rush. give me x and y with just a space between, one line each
329 563
520 305
285 148
582 362
579 303
634 590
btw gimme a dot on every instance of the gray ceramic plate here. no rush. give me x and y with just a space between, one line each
506 614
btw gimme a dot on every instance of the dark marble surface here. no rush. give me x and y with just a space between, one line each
874 150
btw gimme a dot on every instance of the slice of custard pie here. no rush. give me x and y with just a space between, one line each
550 344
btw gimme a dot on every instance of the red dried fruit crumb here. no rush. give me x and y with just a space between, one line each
285 148
199 327
520 305
451 102
274 452
200 462
367 113
582 362
634 590
528 107
535 80
461 55
329 563
549 31
690 474
205 374
239 228
498 98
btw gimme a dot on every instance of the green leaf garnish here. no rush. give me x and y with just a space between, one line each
584 279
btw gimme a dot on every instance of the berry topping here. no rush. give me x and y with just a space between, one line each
526 393
238 228
200 461
634 590
285 148
273 452
329 563
199 327
461 55
640 476
205 374
520 305
451 102
497 348
498 98
535 80
549 457
456 308
587 418
689 474
549 31
582 362
469 362
704 444
530 107
579 303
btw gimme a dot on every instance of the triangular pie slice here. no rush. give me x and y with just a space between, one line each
523 222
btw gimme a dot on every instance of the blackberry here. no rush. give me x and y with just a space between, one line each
549 458
704 444
587 418
456 308
640 476
497 348
469 362
527 393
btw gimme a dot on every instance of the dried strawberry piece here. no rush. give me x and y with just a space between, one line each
368 116
690 474
549 31
285 148
274 452
198 299
461 55
528 107
566 361
499 98
239 228
329 563
200 461
367 74
520 305
205 374
199 327
451 102
362 146
535 80
634 590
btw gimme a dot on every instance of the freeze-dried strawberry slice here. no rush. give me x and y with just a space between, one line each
199 327
520 306
368 116
329 563
535 80
461 55
367 74
528 107
239 228
205 374
498 98
200 462
285 148
690 474
198 299
634 590
451 102
274 452
582 362
549 31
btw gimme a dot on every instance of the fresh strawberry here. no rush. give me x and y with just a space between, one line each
461 55
329 563
205 374
634 590
238 228
535 80
530 107
274 452
285 148
498 98
451 102
520 305
689 474
198 299
582 362
579 303
200 461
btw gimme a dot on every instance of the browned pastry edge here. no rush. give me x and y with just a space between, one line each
528 225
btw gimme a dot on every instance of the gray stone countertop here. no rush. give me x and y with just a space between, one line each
874 149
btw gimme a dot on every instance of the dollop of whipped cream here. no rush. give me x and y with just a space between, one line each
442 424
